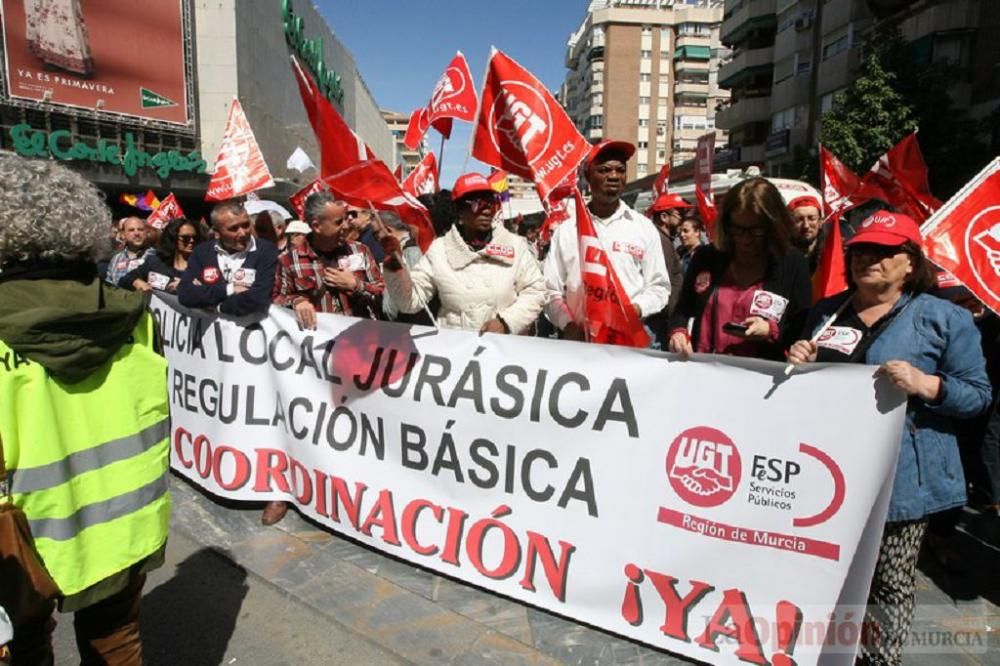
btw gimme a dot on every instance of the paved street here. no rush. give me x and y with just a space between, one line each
235 592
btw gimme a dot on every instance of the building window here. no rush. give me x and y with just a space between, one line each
640 169
643 100
804 67
595 122
645 77
647 30
661 129
835 47
643 122
645 55
783 119
643 145
597 99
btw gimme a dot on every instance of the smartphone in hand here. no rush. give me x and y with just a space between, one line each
735 328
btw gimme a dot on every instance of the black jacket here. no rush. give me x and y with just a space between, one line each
212 288
788 277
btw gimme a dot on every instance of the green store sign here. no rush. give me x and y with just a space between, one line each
311 53
60 145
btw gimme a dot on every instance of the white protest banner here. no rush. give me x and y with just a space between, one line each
710 508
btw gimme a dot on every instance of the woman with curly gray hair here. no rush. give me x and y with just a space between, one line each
84 423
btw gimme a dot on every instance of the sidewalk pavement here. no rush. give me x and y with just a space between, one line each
423 618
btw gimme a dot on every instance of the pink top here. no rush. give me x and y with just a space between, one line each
729 303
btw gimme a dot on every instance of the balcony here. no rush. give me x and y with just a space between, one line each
755 109
690 88
596 53
693 40
745 63
751 14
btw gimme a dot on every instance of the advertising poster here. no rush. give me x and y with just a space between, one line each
107 56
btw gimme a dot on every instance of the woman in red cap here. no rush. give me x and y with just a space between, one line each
929 349
485 277
749 295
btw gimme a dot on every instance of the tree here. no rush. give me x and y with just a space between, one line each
868 118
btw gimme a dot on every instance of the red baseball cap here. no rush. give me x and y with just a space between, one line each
609 146
885 228
803 201
469 183
668 202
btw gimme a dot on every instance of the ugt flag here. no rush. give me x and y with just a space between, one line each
239 167
963 237
424 177
454 97
611 317
522 129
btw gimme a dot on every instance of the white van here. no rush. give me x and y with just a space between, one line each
722 182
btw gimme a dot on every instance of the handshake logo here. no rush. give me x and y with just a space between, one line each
703 466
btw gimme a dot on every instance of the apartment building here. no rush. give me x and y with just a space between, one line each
646 71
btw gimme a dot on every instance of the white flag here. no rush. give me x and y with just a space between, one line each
300 161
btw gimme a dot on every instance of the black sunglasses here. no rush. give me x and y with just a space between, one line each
187 239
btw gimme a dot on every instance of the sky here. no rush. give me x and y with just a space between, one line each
401 48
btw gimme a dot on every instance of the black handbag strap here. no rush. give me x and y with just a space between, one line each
880 326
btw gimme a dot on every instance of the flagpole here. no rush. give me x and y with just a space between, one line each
479 108
399 258
822 329
441 152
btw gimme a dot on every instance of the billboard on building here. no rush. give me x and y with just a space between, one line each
109 57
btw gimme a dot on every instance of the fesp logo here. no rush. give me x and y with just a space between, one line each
520 124
982 246
703 466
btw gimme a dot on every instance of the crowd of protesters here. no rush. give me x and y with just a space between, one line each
694 294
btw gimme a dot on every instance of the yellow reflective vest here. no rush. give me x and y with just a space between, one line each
89 460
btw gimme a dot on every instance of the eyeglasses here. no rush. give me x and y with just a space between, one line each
186 239
753 232
874 251
351 214
481 203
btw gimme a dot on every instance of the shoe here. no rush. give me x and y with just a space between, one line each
273 513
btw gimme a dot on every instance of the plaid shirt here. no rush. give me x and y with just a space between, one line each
300 273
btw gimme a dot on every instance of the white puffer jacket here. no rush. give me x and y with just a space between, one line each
502 279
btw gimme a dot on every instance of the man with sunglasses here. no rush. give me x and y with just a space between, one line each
362 220
629 239
233 274
486 278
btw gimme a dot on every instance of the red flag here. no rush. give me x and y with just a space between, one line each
454 97
900 178
370 183
830 277
416 128
522 128
837 181
704 154
168 210
239 166
454 94
611 318
298 200
963 237
398 172
339 147
662 181
706 211
556 206
424 178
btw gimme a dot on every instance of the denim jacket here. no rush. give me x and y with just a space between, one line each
938 338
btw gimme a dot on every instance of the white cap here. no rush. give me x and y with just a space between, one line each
297 227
